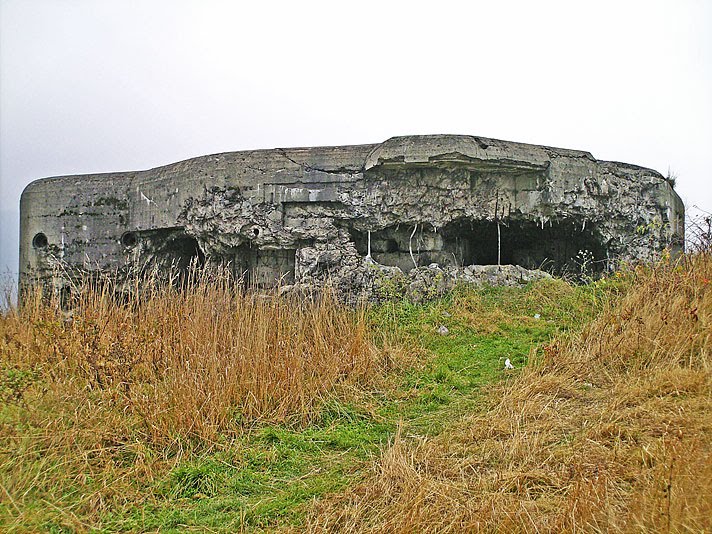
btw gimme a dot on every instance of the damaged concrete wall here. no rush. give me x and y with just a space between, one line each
354 214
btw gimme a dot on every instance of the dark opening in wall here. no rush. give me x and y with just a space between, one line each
554 247
182 251
169 250
66 297
393 245
39 241
264 267
129 239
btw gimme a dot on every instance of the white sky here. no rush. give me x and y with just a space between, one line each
94 86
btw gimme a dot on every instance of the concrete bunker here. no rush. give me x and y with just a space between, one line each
305 215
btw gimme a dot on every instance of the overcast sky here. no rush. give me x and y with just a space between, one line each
94 86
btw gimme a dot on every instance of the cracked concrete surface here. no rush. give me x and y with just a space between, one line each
356 215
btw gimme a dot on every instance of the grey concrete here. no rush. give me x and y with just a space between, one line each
353 214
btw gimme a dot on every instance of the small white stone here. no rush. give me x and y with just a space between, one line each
443 330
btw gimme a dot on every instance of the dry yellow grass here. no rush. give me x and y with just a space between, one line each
610 431
113 392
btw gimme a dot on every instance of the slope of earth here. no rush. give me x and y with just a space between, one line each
608 430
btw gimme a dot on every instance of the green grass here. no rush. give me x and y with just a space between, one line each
269 475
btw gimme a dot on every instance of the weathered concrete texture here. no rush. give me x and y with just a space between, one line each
305 215
424 283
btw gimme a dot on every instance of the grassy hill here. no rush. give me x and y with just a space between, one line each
208 410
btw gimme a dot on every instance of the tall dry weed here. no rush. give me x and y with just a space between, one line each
116 386
609 431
